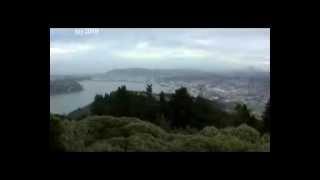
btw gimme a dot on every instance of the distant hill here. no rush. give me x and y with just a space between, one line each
187 75
144 71
143 74
70 77
64 86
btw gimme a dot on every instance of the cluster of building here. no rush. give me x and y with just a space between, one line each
255 96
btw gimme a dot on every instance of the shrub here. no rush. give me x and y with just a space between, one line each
144 127
118 144
218 143
146 143
243 132
56 130
106 127
110 134
103 146
228 143
195 143
75 135
190 130
265 138
266 147
184 131
162 122
265 143
209 131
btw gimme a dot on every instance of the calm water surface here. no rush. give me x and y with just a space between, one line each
66 103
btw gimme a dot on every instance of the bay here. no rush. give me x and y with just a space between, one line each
66 103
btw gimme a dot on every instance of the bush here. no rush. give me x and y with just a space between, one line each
75 136
243 132
118 144
143 127
190 143
265 138
103 127
162 122
103 146
143 142
266 147
265 143
209 131
228 143
190 130
56 131
110 134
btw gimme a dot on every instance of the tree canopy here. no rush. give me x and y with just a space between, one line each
266 117
139 121
177 110
112 134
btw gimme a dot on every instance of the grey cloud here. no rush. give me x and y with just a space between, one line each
244 46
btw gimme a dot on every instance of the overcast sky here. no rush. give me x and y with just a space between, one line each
74 51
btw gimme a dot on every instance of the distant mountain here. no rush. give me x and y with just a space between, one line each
70 77
251 71
150 72
142 74
187 75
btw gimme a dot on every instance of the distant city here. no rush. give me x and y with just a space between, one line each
251 88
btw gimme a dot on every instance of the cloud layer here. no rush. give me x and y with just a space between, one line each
205 49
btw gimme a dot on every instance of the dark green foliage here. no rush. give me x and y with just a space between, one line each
126 103
149 90
243 132
172 122
162 122
111 134
120 102
181 108
256 123
143 127
266 117
204 113
101 129
244 116
177 110
209 131
98 105
56 130
164 106
143 142
80 113
162 97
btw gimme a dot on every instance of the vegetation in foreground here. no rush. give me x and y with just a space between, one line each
177 110
122 134
167 123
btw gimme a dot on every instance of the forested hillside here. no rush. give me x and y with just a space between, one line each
142 121
178 110
64 86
